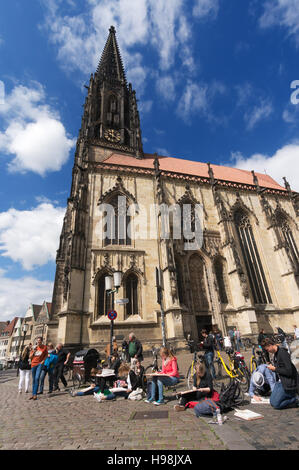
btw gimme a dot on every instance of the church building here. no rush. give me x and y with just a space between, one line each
244 273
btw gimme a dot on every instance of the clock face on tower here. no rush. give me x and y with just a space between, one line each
112 135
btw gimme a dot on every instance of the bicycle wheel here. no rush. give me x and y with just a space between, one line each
190 374
218 368
76 380
253 365
243 378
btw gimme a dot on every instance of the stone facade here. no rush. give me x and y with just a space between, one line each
245 274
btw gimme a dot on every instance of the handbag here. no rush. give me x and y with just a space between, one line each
136 394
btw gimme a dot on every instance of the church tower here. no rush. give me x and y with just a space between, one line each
111 116
110 122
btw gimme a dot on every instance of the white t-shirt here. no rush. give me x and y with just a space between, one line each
296 331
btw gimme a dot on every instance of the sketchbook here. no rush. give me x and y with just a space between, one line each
247 415
118 389
108 372
263 400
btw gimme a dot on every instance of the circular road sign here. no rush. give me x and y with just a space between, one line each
112 314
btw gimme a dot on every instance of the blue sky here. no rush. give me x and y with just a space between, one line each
213 79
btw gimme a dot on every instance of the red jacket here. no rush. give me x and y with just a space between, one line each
171 368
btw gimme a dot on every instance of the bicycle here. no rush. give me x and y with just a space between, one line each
247 343
236 368
258 357
154 367
196 358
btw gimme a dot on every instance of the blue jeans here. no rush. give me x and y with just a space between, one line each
209 360
42 380
168 381
89 392
36 371
280 398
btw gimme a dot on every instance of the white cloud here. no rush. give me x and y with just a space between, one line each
285 162
203 8
32 132
17 294
165 86
259 113
31 237
284 13
193 100
164 26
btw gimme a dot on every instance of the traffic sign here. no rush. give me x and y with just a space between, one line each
112 314
122 301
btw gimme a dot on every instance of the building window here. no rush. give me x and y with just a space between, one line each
104 300
131 289
180 283
287 239
197 284
117 226
219 272
254 268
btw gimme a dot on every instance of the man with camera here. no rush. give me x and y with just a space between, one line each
62 359
37 356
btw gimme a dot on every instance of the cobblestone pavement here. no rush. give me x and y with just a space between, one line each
61 422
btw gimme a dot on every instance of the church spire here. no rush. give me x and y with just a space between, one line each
111 117
110 66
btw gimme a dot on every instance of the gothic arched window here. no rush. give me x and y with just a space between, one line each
219 272
117 228
104 300
254 268
286 237
197 284
131 293
180 282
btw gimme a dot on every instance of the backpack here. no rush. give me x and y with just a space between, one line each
230 396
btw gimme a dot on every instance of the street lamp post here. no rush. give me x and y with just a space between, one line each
24 329
109 281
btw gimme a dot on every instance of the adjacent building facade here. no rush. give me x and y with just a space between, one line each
245 272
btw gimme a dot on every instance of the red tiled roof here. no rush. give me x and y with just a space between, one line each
9 328
193 168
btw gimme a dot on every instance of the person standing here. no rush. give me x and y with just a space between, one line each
48 368
283 338
62 359
24 368
237 338
285 389
114 348
37 355
296 332
208 346
134 348
232 338
262 335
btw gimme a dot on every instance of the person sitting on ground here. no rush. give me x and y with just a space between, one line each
94 387
123 383
262 382
136 376
169 376
285 389
202 387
